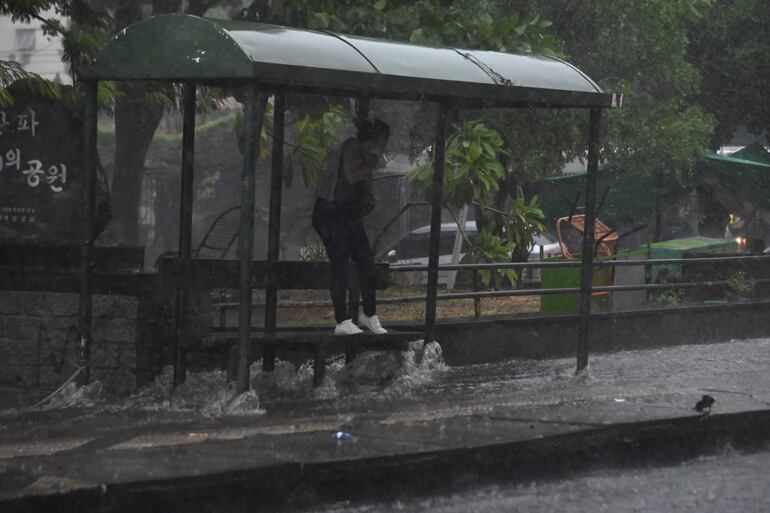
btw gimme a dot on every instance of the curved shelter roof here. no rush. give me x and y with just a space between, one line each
188 48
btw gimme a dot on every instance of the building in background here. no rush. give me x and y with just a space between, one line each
37 52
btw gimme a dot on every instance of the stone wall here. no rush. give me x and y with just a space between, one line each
470 343
39 339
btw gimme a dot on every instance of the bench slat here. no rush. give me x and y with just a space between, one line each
319 345
207 273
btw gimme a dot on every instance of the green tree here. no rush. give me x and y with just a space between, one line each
138 108
472 175
730 46
638 49
473 168
81 39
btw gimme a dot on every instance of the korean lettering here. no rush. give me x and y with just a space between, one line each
17 214
34 172
10 159
27 122
3 121
56 173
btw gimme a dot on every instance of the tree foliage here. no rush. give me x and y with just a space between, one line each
473 172
472 169
491 248
82 36
730 46
639 49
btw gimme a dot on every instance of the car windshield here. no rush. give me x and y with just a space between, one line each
416 245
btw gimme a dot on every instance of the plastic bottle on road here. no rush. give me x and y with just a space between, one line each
342 436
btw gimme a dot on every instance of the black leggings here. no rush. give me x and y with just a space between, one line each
344 238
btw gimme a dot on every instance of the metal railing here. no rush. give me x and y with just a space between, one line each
477 294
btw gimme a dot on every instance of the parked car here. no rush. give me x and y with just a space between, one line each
413 249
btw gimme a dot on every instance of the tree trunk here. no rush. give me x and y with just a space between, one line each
135 122
658 233
136 119
458 244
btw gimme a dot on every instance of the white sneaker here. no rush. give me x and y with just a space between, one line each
347 327
372 324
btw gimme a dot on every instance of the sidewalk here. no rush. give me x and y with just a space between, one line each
431 425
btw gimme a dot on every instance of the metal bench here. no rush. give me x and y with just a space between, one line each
315 343
208 274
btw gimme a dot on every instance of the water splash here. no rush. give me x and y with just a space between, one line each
74 396
245 404
207 393
385 374
679 373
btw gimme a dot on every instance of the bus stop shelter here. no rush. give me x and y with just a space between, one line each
272 60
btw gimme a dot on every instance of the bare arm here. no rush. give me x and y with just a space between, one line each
357 164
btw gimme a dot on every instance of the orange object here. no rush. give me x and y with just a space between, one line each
602 232
607 246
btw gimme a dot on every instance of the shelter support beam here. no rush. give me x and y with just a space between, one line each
586 279
253 115
274 224
437 191
362 110
181 331
85 304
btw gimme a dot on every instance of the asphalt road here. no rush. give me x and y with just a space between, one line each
183 447
729 482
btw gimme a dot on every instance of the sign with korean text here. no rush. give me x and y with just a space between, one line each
40 179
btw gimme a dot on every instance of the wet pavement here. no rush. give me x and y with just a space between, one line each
730 481
82 440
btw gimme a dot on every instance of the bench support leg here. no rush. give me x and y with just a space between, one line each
350 351
232 362
319 367
268 357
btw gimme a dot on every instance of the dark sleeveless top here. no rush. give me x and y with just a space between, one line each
352 200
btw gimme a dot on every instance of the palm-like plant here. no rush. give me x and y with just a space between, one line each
472 170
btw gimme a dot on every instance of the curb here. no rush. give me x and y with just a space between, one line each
296 485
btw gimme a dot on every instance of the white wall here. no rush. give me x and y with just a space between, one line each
42 56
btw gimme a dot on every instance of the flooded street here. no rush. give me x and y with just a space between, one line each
625 380
498 412
728 482
667 380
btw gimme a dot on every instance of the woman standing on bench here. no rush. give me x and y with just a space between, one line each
343 198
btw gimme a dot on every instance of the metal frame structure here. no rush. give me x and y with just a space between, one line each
264 59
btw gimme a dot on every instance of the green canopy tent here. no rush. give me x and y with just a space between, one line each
266 58
740 181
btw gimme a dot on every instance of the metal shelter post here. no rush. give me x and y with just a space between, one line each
586 280
437 191
354 286
274 224
181 329
362 110
85 304
254 106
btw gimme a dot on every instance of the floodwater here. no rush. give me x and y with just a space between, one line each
728 482
404 399
726 370
208 394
